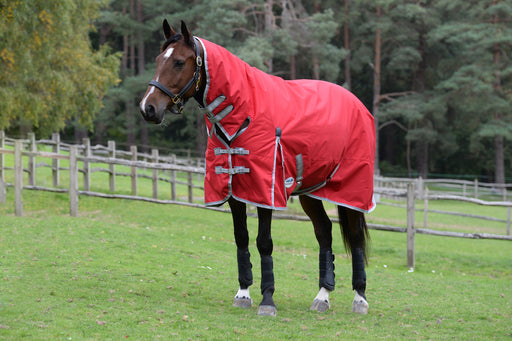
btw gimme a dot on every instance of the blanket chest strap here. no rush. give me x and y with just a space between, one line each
231 151
232 171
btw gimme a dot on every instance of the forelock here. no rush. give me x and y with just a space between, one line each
171 40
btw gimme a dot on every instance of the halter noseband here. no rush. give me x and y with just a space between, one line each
178 99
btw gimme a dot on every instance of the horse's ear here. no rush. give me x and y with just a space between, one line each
189 39
168 30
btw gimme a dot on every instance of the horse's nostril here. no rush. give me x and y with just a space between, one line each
150 114
148 111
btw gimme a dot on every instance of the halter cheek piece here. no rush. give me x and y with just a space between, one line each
178 99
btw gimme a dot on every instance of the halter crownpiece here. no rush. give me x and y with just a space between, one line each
178 99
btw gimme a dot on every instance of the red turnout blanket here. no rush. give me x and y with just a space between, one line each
301 137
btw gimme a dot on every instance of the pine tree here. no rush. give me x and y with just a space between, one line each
478 86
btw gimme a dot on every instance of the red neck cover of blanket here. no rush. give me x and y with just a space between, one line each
303 137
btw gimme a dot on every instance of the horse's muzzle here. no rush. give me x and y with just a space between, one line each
150 114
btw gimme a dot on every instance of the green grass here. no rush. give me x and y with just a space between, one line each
140 271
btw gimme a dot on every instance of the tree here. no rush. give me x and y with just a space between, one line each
411 105
49 72
478 88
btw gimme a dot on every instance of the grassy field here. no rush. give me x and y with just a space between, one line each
141 271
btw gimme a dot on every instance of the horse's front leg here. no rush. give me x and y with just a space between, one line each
238 212
265 247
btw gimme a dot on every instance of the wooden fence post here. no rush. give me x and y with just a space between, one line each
32 159
476 188
3 192
73 181
2 145
410 226
87 166
190 188
420 187
133 150
18 178
111 167
425 209
56 162
154 156
198 165
173 179
508 220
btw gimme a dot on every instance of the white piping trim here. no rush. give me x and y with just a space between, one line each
374 205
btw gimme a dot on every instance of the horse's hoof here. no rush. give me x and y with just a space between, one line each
320 305
360 306
242 302
267 310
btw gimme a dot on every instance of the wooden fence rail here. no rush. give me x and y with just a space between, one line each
156 164
460 188
149 162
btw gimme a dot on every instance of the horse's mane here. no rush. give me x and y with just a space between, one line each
171 40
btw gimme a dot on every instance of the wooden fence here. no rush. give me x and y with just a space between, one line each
88 156
82 157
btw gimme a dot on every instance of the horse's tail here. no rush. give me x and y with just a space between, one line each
354 230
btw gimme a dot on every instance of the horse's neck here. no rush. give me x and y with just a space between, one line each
199 97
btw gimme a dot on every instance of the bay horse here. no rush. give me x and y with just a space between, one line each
269 139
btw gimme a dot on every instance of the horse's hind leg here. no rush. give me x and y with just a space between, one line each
323 232
265 247
238 211
355 235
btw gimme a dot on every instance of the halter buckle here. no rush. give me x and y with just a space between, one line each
176 99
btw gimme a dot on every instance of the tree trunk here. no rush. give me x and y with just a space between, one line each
408 157
141 62
499 152
422 158
293 71
132 40
144 136
499 172
269 18
131 108
140 123
346 45
129 104
422 144
316 67
376 89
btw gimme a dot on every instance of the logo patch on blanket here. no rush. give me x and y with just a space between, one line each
289 182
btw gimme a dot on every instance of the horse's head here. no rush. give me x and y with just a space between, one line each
177 76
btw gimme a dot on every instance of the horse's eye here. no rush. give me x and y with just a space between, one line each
179 63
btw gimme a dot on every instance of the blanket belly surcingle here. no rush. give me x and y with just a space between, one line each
284 137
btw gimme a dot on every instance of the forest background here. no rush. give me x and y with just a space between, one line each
436 74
